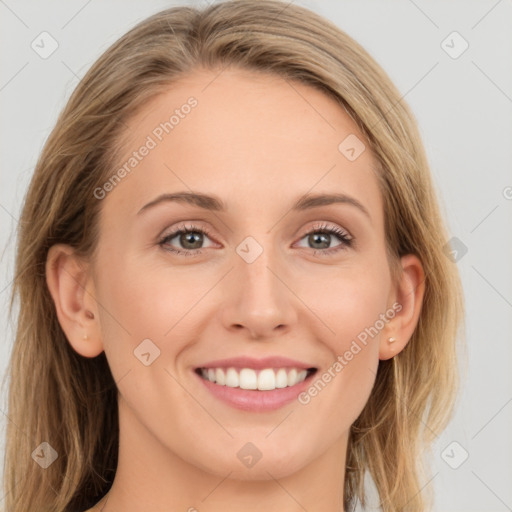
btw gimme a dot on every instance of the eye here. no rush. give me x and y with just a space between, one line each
189 237
321 236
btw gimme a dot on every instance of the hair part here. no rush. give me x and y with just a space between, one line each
70 401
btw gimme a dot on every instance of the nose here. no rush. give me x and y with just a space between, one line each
259 299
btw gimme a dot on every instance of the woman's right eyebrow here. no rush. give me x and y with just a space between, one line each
214 203
194 198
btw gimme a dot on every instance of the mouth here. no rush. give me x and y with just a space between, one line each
261 379
255 384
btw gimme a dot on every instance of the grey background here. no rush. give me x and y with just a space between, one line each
464 108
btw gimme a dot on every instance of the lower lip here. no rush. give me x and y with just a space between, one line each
254 400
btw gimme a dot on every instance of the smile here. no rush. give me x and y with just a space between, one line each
265 379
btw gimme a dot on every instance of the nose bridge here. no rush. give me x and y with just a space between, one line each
257 268
261 301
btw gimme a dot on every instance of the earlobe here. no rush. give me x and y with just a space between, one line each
70 287
409 294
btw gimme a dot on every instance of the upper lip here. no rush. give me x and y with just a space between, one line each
257 364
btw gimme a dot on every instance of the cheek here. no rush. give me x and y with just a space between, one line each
139 312
141 302
353 304
151 315
347 301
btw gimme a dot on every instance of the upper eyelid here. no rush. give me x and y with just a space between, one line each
183 227
327 225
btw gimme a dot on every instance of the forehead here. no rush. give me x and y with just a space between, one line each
247 137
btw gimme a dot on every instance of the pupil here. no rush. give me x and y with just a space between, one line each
325 238
185 239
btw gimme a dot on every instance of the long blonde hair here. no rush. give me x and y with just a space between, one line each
69 401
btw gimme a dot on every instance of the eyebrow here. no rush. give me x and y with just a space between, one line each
214 203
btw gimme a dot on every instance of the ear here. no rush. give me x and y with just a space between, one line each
72 291
408 292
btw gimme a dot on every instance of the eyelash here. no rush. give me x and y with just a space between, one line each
346 241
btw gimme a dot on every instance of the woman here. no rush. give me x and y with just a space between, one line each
306 336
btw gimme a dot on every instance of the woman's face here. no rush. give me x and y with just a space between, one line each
267 280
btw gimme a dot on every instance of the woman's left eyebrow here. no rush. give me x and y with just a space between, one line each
314 200
210 202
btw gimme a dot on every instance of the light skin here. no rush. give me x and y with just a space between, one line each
259 145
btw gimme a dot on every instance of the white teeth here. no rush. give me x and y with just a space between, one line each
281 378
232 378
266 380
247 378
219 377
